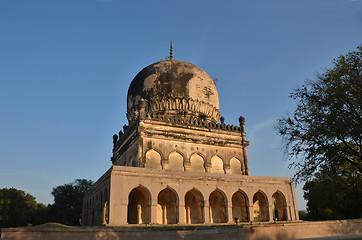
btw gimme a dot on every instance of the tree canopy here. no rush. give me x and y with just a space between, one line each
326 127
18 208
68 199
334 193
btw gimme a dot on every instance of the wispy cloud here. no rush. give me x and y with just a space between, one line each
262 125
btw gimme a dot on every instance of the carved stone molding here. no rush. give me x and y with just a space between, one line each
177 107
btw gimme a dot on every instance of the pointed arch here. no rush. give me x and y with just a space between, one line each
153 159
197 163
240 206
175 161
260 207
139 202
217 165
194 207
279 206
218 207
235 166
167 208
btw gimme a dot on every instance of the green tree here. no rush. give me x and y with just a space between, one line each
334 193
19 209
326 128
68 199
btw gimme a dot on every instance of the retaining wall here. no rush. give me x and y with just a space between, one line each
350 228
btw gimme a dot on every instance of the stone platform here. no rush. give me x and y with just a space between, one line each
345 229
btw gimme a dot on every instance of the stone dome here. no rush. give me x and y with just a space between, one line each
177 87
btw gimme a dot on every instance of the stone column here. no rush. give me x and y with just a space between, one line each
245 155
270 210
208 166
154 211
181 212
187 164
206 212
230 212
164 163
294 203
118 214
227 168
118 201
251 212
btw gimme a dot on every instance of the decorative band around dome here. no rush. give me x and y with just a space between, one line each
177 106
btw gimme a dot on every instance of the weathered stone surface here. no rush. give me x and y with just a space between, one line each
346 229
174 163
212 195
175 86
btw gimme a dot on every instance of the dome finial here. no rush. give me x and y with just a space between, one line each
171 52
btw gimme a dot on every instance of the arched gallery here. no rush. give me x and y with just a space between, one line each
177 162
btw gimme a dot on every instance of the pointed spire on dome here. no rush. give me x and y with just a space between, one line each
171 51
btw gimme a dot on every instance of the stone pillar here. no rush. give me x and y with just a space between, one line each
251 212
245 155
270 210
294 204
208 166
118 214
181 212
154 211
227 168
206 212
164 163
118 202
187 164
230 212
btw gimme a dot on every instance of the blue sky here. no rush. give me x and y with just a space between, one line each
65 68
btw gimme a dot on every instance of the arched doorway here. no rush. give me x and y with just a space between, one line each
167 209
194 207
279 206
139 210
240 206
217 203
260 207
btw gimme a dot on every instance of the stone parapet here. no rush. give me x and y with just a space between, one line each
345 229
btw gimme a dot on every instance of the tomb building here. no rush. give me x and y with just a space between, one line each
178 162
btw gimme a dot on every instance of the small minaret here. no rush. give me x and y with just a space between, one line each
171 51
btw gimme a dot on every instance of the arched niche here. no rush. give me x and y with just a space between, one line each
217 201
240 206
167 208
194 207
260 207
175 162
197 163
217 165
279 206
235 166
153 159
139 210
